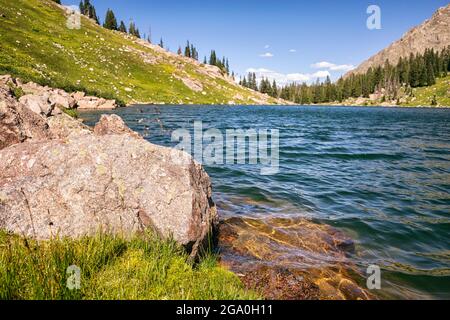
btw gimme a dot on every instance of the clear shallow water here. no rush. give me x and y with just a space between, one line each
381 175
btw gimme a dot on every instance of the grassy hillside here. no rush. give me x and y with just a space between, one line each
424 96
36 45
111 268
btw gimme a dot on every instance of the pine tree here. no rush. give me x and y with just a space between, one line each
87 9
81 6
122 27
187 50
133 30
244 82
274 89
110 20
213 58
161 43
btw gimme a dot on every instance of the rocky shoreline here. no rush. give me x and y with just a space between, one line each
60 178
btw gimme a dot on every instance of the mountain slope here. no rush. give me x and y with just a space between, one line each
433 33
36 45
440 93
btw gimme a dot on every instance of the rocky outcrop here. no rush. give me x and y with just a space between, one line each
18 123
192 84
47 101
39 104
94 103
59 178
433 33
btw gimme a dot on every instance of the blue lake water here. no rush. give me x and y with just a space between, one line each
381 175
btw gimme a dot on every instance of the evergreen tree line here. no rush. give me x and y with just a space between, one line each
418 70
87 9
190 51
214 60
111 24
264 86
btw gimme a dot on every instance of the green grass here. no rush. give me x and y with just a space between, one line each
36 45
424 96
17 91
71 112
111 268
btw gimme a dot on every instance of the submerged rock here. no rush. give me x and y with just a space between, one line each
289 258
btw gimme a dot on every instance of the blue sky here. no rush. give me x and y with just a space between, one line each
284 39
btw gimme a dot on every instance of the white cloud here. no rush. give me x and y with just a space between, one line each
297 77
332 67
266 55
321 74
266 46
292 50
343 67
286 78
322 65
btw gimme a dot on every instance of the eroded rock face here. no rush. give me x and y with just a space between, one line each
290 258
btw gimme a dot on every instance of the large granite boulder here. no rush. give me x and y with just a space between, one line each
115 183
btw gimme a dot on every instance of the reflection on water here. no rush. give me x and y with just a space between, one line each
381 176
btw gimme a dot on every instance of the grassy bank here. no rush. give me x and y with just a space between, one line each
111 268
